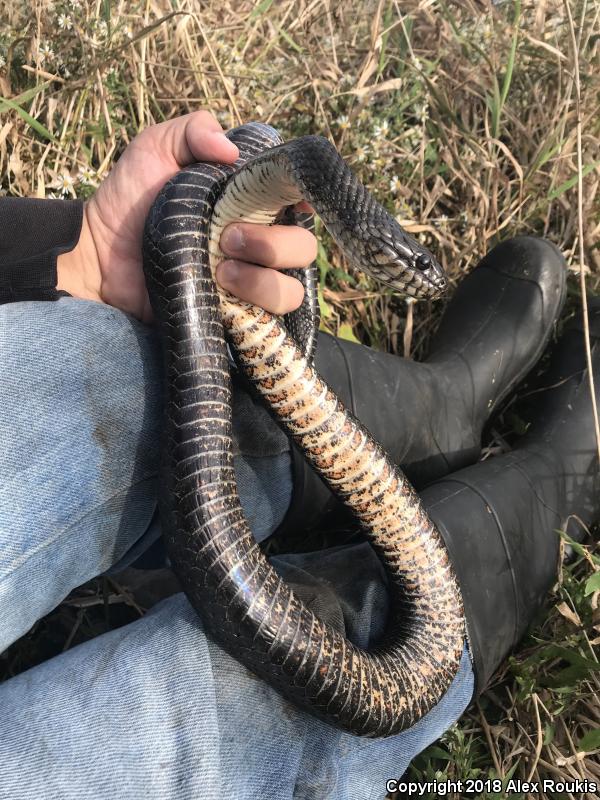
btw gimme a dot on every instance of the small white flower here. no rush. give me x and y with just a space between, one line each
45 52
65 22
343 122
487 33
421 113
364 115
2 62
361 153
103 28
395 185
382 130
86 176
64 183
51 196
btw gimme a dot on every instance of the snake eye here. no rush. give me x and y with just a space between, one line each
423 261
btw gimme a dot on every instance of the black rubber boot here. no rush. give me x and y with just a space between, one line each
500 518
429 416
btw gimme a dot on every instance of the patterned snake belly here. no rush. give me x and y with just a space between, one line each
244 604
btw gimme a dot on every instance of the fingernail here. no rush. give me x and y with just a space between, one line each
228 272
233 241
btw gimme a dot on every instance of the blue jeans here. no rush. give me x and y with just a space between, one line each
154 709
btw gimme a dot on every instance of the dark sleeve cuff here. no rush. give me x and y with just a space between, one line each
33 233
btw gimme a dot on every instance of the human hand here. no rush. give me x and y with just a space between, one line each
106 264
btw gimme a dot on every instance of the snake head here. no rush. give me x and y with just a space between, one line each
368 235
395 258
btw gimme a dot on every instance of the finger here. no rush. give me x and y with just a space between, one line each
275 246
267 288
192 137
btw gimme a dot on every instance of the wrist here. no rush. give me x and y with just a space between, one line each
78 271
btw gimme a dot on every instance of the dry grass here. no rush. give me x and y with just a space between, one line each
460 116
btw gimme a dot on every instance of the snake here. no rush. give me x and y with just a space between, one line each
243 603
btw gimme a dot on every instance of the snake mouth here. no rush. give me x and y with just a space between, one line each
405 265
426 274
436 284
425 287
427 277
410 279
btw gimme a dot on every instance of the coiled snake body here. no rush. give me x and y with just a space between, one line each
242 600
